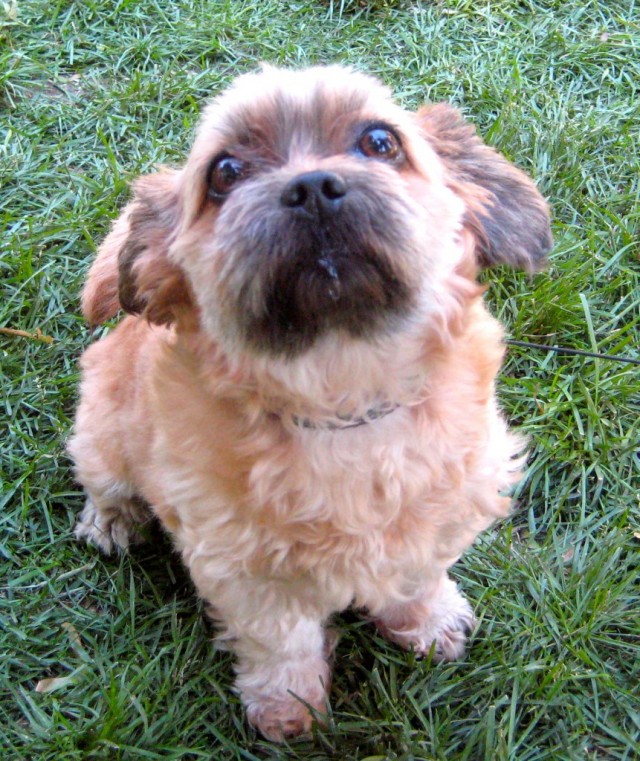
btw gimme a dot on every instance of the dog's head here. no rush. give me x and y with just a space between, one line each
312 204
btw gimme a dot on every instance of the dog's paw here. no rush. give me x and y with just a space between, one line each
448 633
438 626
284 697
282 718
112 528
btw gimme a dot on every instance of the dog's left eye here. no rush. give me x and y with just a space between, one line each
379 143
224 173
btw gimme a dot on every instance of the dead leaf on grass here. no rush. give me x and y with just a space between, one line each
54 683
73 633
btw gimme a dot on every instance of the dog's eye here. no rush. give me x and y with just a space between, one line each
224 173
379 143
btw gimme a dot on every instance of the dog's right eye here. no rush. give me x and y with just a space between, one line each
224 173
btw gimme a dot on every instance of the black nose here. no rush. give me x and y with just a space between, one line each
314 192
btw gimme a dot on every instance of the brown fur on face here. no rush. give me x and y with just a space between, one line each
304 393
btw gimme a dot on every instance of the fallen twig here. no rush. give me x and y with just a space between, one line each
38 335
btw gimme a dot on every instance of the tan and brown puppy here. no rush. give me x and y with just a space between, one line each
304 393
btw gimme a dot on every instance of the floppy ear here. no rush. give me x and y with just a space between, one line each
506 214
99 298
132 269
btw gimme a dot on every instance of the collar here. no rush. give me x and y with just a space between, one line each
341 422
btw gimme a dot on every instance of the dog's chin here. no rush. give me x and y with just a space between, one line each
319 287
322 292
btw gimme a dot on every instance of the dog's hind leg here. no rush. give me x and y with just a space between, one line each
113 514
112 521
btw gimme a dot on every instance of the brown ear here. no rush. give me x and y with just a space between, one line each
99 298
132 269
149 283
506 214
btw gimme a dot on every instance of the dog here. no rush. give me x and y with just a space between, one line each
303 390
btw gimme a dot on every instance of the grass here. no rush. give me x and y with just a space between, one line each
93 94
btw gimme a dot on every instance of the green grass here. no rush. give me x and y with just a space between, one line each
94 93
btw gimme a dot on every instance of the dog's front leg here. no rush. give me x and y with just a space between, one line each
438 619
282 674
283 671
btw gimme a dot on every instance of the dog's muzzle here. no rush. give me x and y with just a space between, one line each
311 253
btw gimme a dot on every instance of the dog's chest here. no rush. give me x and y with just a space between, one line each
375 504
350 499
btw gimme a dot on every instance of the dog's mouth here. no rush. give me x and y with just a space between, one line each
327 283
300 272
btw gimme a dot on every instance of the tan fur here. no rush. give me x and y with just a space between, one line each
282 526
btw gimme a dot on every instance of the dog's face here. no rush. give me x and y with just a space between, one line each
312 204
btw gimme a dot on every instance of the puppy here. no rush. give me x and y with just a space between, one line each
303 393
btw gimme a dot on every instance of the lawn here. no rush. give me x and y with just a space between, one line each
94 93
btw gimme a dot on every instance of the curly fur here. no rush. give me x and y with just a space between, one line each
186 414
